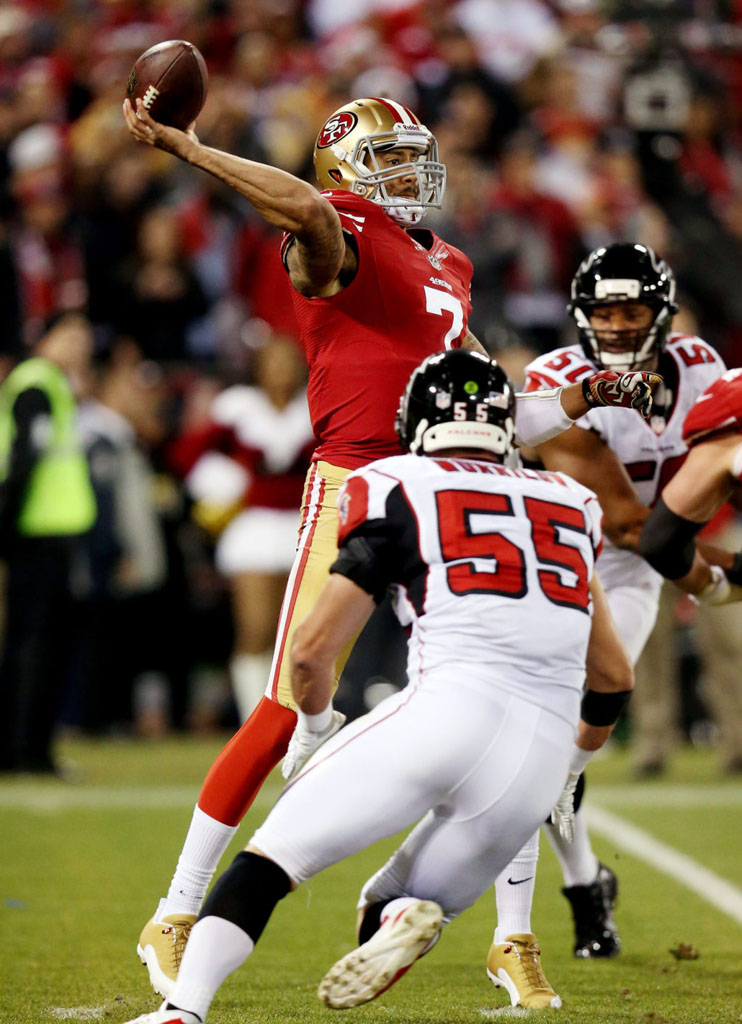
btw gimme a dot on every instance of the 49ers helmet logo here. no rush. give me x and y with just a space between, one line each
336 128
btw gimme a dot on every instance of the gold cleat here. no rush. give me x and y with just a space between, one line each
161 947
515 964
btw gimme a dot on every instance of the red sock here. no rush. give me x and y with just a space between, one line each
235 778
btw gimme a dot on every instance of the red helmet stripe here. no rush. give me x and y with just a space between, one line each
400 112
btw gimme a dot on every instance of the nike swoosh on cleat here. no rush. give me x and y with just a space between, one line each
520 880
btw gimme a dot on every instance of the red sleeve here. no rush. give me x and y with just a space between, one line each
344 202
286 240
718 409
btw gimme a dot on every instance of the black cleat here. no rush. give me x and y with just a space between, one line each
592 910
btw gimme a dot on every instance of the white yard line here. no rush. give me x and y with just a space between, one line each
77 1012
58 796
688 872
667 795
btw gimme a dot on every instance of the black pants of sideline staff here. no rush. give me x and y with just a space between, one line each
38 641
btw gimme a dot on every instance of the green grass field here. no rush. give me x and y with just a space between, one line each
84 863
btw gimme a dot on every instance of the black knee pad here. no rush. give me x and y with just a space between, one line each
247 892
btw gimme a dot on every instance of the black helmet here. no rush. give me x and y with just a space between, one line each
457 399
623 273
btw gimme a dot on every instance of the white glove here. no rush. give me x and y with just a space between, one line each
303 744
563 815
719 590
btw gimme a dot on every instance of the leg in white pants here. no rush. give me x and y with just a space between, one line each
485 767
634 610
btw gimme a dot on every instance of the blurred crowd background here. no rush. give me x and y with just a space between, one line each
564 124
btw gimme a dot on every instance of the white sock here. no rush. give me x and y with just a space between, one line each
215 948
514 892
249 674
578 862
204 845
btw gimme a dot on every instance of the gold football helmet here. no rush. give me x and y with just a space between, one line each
346 148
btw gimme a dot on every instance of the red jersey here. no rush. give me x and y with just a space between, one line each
718 409
408 299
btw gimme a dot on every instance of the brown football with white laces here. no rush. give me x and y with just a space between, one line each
171 80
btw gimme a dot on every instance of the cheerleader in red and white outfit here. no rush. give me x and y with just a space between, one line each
253 456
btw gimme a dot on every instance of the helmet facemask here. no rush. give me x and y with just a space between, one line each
640 346
347 149
370 180
623 274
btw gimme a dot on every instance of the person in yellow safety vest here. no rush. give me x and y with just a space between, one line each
46 506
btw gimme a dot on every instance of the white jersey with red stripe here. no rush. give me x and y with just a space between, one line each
498 556
653 451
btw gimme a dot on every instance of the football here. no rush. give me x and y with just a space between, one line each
171 80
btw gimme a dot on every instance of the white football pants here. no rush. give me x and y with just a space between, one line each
634 610
482 766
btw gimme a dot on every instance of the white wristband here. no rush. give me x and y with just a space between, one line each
539 416
579 760
316 723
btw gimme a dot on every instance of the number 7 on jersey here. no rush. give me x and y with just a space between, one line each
439 302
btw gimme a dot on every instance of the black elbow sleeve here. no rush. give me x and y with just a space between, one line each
359 560
667 541
603 708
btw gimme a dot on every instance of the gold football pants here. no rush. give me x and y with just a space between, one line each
316 551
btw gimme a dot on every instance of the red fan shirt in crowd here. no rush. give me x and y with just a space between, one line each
262 281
